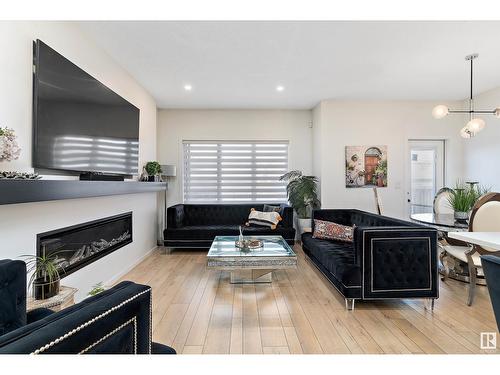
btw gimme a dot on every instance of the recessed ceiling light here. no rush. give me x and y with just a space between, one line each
280 88
188 87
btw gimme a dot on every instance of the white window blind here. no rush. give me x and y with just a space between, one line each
234 172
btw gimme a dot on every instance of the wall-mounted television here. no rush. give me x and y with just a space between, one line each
79 124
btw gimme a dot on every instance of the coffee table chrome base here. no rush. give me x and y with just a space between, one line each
251 276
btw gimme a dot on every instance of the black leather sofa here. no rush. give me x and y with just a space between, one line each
196 225
117 321
491 267
389 258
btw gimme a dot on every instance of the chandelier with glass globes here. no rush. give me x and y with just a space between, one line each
475 124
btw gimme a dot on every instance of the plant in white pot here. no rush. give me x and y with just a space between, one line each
303 196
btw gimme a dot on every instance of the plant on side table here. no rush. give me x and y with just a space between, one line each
153 169
45 275
303 196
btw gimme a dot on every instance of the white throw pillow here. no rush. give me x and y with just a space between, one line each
263 219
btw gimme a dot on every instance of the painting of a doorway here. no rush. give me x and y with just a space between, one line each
365 166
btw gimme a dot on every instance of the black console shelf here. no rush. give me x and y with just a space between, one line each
25 191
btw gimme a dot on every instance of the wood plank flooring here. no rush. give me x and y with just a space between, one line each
198 311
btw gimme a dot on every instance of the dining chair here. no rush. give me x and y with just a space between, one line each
441 204
484 218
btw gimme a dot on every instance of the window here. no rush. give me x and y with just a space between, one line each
234 172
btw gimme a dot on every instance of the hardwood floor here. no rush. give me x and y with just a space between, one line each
197 311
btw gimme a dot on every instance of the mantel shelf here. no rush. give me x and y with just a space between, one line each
26 191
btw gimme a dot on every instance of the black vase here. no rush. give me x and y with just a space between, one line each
151 178
44 289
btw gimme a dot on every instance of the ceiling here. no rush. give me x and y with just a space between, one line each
239 64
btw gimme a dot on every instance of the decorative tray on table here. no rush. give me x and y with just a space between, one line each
249 244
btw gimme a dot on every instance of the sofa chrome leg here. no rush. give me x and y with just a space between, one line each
349 304
429 303
167 250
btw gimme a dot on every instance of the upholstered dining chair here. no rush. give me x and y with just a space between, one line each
441 203
484 218
441 206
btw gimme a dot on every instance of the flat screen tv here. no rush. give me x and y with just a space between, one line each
79 124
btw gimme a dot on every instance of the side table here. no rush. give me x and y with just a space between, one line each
65 298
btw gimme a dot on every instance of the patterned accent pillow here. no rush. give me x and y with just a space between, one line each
328 230
263 219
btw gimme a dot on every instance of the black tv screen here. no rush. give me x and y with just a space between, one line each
79 123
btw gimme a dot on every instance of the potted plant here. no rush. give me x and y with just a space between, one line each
381 174
303 196
96 289
45 275
462 198
153 169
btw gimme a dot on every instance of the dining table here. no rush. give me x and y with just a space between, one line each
450 231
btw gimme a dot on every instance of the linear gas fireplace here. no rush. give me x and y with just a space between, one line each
79 245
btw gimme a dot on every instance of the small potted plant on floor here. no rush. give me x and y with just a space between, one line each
303 196
153 169
45 275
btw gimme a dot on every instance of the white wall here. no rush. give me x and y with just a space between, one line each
19 224
482 153
392 123
174 126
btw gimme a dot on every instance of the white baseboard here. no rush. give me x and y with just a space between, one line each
116 277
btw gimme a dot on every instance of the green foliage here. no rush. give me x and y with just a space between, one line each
302 192
381 170
6 131
44 268
153 168
464 196
96 289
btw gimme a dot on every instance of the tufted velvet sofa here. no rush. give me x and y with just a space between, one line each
491 267
117 321
196 225
389 258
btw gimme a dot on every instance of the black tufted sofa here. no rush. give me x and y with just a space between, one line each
117 321
196 225
389 258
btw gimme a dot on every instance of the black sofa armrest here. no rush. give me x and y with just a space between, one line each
175 216
37 314
397 262
286 216
115 321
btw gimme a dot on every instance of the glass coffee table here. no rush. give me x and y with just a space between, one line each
251 266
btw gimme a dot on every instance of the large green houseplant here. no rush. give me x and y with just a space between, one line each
302 193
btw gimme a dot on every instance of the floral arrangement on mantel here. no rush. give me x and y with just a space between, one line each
9 149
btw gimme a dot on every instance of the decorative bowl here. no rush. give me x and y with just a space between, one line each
249 244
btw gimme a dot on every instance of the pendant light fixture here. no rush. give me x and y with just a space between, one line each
475 124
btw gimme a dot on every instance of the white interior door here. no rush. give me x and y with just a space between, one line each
426 166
